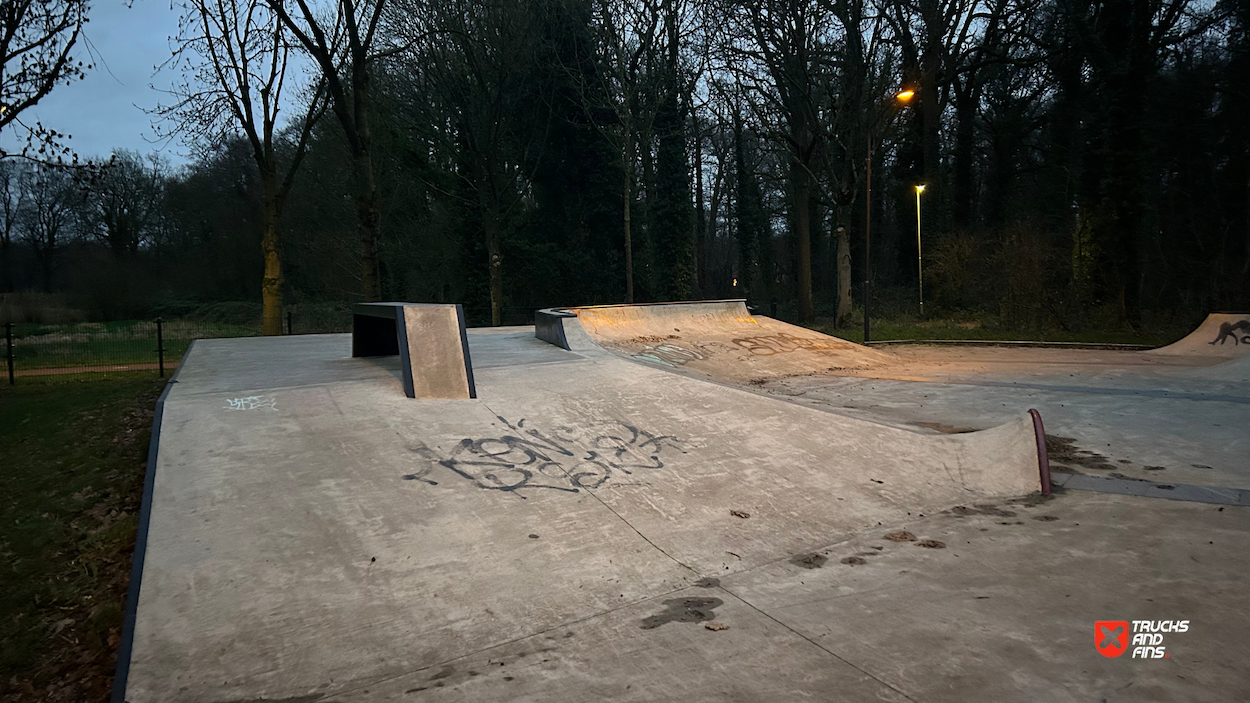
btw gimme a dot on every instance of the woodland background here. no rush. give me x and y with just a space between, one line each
1085 164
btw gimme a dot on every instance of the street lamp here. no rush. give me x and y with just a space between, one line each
919 257
900 99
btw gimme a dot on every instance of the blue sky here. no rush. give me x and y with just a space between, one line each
104 111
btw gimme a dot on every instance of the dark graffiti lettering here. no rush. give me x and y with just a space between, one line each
1229 330
784 343
567 459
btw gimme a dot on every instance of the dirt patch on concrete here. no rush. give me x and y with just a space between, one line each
1063 450
809 561
684 610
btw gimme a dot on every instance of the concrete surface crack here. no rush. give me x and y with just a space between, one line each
816 644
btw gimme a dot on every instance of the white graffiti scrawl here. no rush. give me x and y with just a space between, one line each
252 402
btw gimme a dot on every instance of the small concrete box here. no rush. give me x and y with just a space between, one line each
430 340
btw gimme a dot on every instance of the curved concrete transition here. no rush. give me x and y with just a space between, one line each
1223 334
1235 371
314 535
718 339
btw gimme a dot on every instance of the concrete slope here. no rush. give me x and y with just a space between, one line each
314 533
1236 371
714 339
1222 334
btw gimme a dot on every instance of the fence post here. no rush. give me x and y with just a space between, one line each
290 328
160 346
8 339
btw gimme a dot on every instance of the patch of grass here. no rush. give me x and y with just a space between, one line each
906 327
72 460
40 346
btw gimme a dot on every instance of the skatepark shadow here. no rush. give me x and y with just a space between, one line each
389 364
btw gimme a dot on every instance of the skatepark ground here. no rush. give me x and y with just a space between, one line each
598 526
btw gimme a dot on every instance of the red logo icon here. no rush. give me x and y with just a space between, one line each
1111 637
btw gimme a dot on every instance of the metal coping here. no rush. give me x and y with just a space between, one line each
464 348
567 310
405 360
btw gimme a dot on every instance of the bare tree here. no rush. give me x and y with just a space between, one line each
471 64
626 36
343 48
44 223
12 201
235 55
778 49
37 38
123 201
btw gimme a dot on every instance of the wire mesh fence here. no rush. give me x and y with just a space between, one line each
86 349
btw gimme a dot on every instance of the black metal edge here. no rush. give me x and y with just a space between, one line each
464 346
126 646
549 326
646 305
405 360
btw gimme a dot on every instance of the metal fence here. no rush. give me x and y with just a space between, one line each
87 349
84 350
81 350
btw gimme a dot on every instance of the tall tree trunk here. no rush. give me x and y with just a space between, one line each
965 137
6 269
700 222
494 250
367 220
801 184
271 283
844 268
492 228
647 241
627 157
930 109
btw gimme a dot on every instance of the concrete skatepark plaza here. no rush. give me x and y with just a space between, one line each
654 510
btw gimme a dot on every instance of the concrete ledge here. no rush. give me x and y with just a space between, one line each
430 340
561 327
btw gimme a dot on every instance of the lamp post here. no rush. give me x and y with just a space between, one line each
901 98
919 256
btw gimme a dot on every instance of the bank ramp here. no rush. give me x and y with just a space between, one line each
716 339
314 535
1222 334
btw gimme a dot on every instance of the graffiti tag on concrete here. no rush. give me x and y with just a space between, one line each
784 343
1230 330
252 402
566 459
667 354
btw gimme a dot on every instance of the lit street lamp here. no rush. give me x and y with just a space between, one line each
919 257
899 99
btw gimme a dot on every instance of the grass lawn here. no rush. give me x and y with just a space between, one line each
72 460
38 346
898 328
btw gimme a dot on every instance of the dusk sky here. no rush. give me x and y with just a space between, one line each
105 111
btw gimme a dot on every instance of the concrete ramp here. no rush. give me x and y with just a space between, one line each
314 535
1235 371
715 339
1222 334
429 340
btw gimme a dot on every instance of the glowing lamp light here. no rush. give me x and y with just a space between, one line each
906 95
920 189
